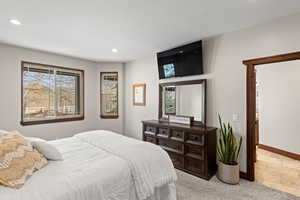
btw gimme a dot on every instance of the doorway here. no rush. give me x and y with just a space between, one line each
252 119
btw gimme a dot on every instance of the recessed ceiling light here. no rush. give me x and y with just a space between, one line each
15 22
114 50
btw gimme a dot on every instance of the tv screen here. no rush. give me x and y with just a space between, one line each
169 70
181 61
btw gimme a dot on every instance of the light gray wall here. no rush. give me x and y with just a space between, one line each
279 110
223 56
141 71
10 96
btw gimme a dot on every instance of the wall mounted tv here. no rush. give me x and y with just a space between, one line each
181 61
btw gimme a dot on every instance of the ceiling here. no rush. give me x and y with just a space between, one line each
90 29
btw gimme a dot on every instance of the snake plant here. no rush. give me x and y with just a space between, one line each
228 147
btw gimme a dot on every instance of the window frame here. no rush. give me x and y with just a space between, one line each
103 116
55 120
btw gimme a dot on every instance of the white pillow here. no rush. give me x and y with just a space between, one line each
45 148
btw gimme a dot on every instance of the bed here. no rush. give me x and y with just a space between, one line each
101 165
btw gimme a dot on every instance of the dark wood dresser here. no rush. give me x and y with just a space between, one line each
191 148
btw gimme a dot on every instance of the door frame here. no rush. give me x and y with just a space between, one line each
251 103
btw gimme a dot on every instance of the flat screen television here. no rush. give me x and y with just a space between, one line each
181 61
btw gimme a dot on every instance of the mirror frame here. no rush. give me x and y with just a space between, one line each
190 82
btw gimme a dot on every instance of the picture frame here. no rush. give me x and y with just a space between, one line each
109 101
139 94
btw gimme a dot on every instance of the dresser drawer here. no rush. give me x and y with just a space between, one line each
150 139
177 160
195 151
177 135
195 138
170 145
163 132
151 130
191 148
194 165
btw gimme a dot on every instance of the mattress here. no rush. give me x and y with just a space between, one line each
86 173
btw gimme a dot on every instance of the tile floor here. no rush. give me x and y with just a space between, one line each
278 172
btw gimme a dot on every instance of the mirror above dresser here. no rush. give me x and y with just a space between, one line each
185 98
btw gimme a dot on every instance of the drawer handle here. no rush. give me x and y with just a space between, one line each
150 129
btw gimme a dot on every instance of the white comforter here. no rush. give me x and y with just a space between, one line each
87 173
150 166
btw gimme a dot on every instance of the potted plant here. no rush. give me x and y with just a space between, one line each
228 149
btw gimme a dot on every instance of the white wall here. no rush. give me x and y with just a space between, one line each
279 110
10 96
142 71
224 70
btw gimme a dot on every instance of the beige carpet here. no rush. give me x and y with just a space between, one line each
192 188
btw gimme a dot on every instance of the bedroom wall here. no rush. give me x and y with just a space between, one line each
224 70
10 87
279 105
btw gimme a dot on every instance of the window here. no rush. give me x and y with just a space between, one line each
51 94
109 94
170 100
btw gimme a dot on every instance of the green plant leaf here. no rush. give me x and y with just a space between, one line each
220 155
228 148
239 149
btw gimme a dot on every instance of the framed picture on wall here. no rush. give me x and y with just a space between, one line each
139 94
109 95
